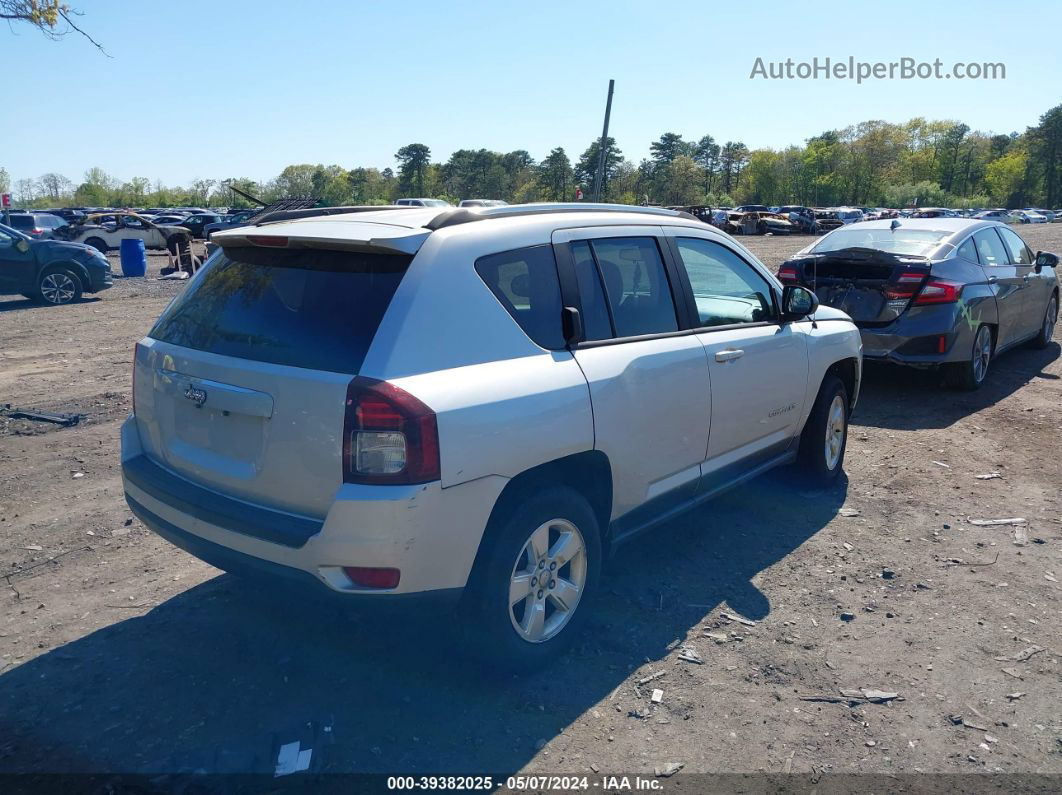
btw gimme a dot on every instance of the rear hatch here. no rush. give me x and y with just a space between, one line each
872 287
240 386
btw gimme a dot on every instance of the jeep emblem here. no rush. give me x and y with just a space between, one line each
198 396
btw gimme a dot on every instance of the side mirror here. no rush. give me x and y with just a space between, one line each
798 302
1045 259
22 245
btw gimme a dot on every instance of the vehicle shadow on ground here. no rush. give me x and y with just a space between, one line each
15 303
902 398
211 678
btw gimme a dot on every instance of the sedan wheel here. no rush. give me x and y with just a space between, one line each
59 287
1047 328
982 354
548 580
969 375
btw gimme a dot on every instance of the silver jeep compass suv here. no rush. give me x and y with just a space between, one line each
472 407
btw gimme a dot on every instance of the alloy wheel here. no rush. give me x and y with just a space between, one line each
58 288
834 432
548 580
982 354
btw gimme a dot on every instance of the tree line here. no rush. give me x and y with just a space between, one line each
874 163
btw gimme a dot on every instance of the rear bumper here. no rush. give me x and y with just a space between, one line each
430 534
914 339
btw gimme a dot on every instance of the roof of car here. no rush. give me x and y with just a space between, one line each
952 225
404 229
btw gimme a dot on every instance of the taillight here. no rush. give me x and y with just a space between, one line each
787 274
939 292
388 435
36 232
906 285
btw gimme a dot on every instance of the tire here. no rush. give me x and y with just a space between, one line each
1047 328
58 286
98 244
531 632
825 436
969 375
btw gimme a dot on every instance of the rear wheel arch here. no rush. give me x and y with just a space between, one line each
588 473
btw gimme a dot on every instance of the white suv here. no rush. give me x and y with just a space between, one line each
472 407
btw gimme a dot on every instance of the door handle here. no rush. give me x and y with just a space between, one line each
992 280
728 355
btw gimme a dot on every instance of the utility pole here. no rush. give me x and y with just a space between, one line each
599 175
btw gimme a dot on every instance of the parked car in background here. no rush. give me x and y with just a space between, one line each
941 292
41 226
933 212
802 218
229 221
1029 217
105 231
50 271
482 203
196 223
1001 215
1047 214
617 365
422 203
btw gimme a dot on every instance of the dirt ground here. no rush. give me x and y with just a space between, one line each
120 653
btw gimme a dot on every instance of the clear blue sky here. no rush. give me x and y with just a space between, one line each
238 88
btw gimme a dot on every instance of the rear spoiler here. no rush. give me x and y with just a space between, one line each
363 237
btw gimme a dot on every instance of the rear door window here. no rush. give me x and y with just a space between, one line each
1019 252
304 308
990 248
525 282
636 285
597 322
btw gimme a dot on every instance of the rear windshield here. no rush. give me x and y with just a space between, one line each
912 242
22 221
304 308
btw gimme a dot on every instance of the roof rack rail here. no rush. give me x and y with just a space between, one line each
461 215
313 212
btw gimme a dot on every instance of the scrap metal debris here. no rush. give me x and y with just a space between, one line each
867 695
739 619
65 420
990 476
670 769
1022 655
690 654
995 522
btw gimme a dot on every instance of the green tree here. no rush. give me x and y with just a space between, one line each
669 146
555 175
413 160
50 17
706 154
586 168
1045 142
683 182
1005 177
732 159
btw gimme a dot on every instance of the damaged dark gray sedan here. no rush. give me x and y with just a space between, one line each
934 292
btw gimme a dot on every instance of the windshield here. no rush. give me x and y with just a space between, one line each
913 242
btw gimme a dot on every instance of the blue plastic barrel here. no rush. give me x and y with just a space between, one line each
134 257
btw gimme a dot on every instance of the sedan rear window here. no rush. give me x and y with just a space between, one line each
304 308
912 242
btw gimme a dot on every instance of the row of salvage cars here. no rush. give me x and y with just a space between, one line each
947 293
